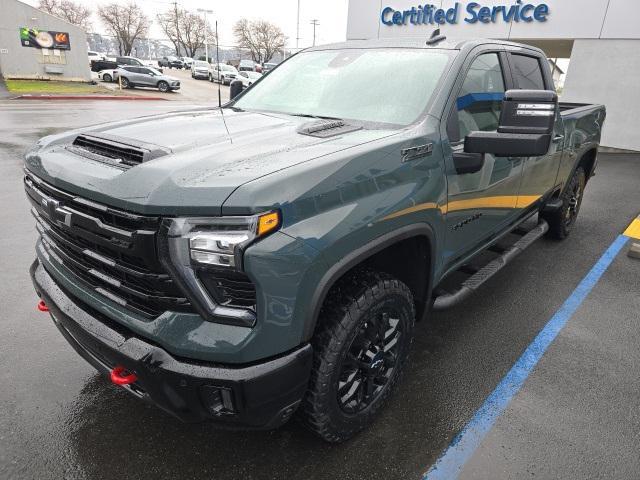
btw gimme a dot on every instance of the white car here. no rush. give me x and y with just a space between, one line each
222 73
248 78
95 56
107 75
187 61
200 69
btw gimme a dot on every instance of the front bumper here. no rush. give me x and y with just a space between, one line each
260 395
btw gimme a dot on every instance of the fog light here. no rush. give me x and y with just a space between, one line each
218 400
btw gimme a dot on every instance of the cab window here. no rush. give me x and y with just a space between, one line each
527 73
478 104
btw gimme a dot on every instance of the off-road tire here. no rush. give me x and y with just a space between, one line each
107 78
561 222
163 86
350 305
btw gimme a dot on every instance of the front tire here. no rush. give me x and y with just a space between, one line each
363 339
107 78
163 86
124 81
561 222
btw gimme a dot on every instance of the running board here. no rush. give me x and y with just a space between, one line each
471 284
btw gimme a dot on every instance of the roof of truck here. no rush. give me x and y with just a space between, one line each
417 42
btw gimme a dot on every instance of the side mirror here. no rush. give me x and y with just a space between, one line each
525 129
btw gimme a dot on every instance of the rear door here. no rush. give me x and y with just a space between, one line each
480 204
540 173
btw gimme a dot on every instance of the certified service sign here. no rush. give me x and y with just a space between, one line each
473 13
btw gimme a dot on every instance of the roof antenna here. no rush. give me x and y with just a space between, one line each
220 85
435 37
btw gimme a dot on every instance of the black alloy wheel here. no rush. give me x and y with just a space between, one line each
370 361
360 345
163 86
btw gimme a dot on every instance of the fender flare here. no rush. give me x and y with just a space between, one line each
359 255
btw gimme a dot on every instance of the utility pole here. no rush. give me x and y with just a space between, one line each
298 28
315 23
206 44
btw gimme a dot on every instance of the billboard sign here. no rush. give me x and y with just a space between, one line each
35 38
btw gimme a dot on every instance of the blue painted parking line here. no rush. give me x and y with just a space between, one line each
463 445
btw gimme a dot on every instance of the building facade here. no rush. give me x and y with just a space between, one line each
36 45
601 37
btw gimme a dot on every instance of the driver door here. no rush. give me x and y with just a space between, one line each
482 203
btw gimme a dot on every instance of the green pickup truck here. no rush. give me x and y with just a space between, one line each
269 258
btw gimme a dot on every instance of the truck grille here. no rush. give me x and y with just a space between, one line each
111 251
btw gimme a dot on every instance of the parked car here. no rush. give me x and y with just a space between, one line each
107 75
278 267
99 65
248 78
267 67
200 69
131 77
247 66
171 62
222 73
187 61
95 56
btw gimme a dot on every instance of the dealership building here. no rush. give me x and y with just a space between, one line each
601 38
36 45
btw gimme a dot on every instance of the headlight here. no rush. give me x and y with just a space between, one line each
221 241
194 249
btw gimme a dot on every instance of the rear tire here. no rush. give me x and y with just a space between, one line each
561 221
364 335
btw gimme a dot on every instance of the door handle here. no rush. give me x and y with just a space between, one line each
557 138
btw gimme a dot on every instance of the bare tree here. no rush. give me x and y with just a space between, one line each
68 10
125 22
193 32
261 38
185 30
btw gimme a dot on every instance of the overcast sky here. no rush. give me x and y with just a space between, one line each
331 14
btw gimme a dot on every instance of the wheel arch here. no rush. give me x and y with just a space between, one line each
384 253
588 161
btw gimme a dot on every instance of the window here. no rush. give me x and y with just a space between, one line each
479 101
527 72
390 86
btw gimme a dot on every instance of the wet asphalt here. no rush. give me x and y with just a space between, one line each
576 417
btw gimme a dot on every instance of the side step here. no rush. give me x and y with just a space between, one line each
471 284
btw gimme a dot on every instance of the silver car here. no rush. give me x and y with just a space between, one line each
131 77
200 69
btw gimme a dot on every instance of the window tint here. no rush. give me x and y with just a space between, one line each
527 72
480 99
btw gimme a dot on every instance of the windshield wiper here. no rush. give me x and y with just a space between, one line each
319 117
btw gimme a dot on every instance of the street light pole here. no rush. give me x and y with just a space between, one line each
206 44
315 23
298 28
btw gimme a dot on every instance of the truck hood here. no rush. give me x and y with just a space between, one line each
203 165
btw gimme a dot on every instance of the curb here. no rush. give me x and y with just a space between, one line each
85 97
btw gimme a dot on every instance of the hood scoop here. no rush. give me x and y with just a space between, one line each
114 150
326 128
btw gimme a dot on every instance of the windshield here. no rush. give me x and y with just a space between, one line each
156 72
373 85
227 68
253 75
201 63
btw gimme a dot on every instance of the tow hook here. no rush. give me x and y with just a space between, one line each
121 376
42 306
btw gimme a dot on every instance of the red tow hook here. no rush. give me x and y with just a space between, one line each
42 306
119 378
